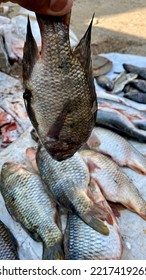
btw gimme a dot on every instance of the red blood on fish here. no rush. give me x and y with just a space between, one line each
5 118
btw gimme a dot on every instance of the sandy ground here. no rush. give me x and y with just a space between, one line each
119 26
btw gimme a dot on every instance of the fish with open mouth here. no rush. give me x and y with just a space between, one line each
59 87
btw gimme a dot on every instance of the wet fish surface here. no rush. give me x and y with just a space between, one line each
122 100
84 243
141 124
67 182
136 95
122 80
139 84
118 148
81 242
29 204
140 71
114 183
59 87
115 120
8 245
105 83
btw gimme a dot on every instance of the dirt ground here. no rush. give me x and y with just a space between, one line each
119 26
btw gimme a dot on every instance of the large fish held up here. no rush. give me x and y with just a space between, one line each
59 88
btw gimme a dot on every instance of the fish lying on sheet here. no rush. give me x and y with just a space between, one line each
67 182
81 242
28 202
8 245
114 183
118 148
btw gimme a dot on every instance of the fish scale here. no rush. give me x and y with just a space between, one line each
28 203
7 244
82 242
114 183
118 148
67 182
60 94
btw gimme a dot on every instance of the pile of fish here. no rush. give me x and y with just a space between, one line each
66 192
122 104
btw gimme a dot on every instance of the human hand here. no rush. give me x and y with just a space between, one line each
51 7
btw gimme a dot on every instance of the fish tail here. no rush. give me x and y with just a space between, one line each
94 218
137 163
53 252
137 204
142 210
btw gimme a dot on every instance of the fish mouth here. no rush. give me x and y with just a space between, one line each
61 150
9 168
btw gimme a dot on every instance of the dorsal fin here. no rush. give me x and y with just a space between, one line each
30 53
83 49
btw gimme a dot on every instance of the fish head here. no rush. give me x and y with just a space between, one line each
60 150
91 160
9 168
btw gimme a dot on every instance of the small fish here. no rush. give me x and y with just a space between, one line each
141 124
140 71
113 119
136 95
124 109
28 203
120 150
67 182
105 82
114 183
122 80
139 84
122 100
59 87
8 245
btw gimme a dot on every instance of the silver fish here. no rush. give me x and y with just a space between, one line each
8 245
120 150
81 242
122 100
67 183
136 95
28 202
115 120
140 71
114 183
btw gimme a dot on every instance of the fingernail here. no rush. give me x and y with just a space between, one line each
57 5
